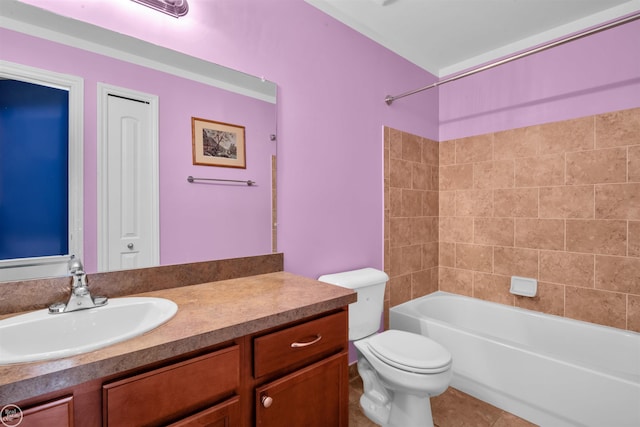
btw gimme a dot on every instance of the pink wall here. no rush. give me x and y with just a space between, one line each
332 83
331 88
593 75
197 221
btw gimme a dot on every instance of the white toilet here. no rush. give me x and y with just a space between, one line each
400 370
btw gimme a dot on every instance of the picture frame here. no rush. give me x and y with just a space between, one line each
218 144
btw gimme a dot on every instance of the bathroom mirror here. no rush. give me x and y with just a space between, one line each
201 219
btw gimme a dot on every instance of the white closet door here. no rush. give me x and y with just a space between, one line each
130 185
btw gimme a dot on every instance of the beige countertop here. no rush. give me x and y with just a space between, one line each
208 314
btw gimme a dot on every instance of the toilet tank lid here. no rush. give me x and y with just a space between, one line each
356 278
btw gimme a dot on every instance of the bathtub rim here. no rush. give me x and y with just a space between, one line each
528 311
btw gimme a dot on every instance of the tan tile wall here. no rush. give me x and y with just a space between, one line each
559 202
411 216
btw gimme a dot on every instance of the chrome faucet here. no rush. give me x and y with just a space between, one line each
80 297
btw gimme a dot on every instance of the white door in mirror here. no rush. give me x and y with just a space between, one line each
130 181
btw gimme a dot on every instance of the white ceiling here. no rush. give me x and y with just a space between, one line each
448 36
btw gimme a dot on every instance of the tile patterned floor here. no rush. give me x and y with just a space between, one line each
451 409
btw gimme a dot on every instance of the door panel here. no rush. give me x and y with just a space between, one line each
130 184
315 396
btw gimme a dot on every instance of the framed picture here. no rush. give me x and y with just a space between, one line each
218 144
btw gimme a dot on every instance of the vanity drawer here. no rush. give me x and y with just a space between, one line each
299 345
166 394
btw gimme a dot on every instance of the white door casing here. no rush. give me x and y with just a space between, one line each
128 175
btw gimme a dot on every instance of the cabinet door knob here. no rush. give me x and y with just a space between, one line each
266 401
130 245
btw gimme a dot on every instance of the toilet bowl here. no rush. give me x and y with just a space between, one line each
400 370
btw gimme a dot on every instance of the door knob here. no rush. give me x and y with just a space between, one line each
130 245
266 401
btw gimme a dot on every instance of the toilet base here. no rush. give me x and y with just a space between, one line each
376 399
391 408
377 413
409 410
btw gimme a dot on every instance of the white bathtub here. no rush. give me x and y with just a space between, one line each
550 370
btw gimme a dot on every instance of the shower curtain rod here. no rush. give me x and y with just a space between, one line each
636 15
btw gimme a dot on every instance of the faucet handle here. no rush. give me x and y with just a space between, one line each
57 307
100 300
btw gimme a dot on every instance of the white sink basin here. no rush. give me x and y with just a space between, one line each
42 336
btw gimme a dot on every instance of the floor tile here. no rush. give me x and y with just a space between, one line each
452 408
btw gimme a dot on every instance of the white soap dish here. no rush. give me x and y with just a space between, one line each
524 286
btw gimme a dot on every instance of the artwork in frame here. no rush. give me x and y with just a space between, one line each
218 144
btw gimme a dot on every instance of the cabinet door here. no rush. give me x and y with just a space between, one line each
58 413
226 414
316 396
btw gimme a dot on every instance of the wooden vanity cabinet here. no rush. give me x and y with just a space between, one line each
292 375
301 374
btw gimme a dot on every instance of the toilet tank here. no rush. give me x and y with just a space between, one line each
364 314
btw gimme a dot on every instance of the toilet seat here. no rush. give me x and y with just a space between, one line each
410 352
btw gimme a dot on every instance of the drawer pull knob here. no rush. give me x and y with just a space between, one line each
305 344
266 401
